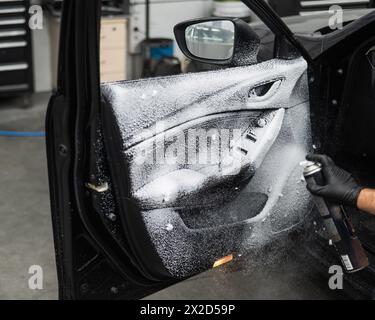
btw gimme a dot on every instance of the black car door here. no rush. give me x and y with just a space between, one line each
155 180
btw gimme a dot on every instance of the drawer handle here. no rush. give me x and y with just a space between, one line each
7 45
13 67
12 10
6 22
12 33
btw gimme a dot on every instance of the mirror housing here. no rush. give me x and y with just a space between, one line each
245 43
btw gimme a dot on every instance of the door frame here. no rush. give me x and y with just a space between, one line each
71 129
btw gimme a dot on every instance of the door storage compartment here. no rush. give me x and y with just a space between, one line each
211 218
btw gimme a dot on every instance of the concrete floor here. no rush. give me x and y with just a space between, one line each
25 229
280 270
26 233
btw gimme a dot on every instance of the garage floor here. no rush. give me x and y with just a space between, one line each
25 229
26 234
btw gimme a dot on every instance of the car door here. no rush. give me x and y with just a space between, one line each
155 180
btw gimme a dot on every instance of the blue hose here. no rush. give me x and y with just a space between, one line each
22 134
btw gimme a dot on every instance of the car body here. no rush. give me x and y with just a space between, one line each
139 201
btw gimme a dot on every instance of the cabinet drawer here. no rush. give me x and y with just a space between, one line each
112 60
12 1
19 87
12 74
12 21
13 54
113 34
11 33
12 9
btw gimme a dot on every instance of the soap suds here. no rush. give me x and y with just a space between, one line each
273 173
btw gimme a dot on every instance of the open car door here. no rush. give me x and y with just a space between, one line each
155 180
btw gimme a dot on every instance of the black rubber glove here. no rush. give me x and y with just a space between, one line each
341 187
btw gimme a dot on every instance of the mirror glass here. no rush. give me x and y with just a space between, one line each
211 40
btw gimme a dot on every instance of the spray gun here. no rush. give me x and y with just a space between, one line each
338 225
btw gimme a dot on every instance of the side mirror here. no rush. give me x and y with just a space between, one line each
221 41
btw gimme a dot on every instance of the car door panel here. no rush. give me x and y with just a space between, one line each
194 182
200 94
126 224
180 214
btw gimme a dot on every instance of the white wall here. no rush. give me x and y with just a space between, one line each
41 56
163 18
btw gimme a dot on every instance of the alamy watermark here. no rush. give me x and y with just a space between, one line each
36 17
336 281
36 279
195 146
336 20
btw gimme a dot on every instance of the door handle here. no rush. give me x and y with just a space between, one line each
264 90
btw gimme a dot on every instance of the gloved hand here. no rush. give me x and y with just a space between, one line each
341 187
